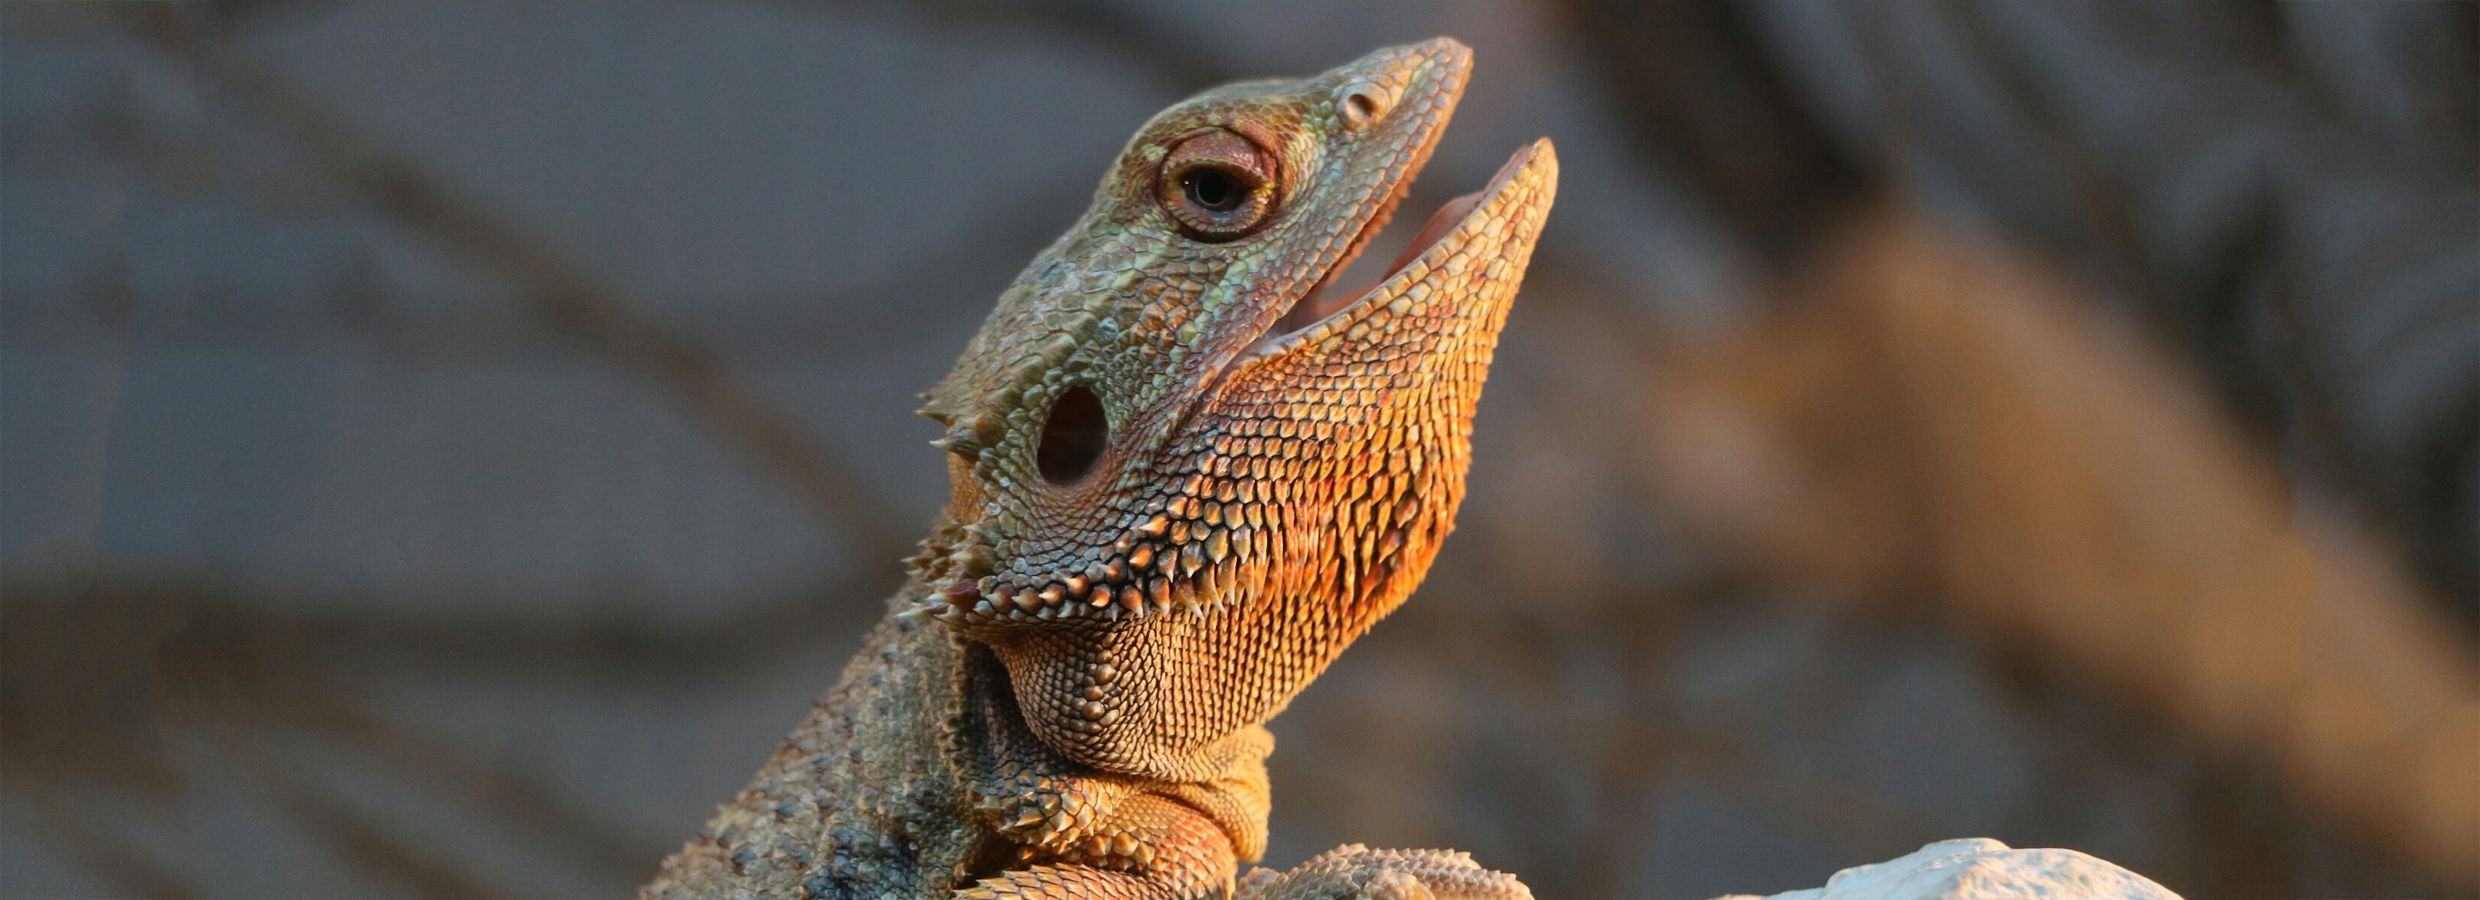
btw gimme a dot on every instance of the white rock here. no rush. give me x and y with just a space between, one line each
1982 869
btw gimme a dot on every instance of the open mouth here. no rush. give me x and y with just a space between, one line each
1322 301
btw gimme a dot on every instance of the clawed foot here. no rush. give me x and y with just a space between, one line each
1147 847
1354 871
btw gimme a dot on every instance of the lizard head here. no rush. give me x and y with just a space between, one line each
1185 474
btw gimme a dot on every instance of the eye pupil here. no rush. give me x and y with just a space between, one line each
1213 190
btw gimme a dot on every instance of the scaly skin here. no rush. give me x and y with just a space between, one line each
1182 481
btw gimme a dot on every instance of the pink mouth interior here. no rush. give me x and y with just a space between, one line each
1321 302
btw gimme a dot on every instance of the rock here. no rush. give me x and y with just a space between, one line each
1982 869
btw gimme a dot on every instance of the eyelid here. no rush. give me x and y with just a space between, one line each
1220 146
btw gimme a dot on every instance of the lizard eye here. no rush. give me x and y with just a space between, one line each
1217 186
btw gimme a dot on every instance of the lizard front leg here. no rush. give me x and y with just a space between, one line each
1081 832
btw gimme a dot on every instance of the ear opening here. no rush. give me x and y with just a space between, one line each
1074 436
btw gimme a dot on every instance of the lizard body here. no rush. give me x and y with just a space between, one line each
1183 478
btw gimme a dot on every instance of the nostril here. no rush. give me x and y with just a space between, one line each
1363 104
1360 108
1073 437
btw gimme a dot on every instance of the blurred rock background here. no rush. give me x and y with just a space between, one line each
443 446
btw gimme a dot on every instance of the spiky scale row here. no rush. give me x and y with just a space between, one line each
1162 565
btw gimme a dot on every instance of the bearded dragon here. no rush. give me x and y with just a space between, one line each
1184 474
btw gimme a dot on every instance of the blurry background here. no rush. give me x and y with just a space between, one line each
444 446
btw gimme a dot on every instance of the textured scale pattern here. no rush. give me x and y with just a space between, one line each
1120 602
